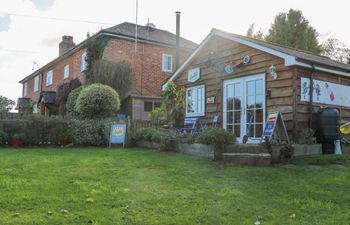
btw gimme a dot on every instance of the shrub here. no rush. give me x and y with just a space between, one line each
97 101
156 137
90 132
217 137
35 130
71 102
144 134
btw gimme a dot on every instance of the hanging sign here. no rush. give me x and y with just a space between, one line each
210 100
275 127
118 134
194 75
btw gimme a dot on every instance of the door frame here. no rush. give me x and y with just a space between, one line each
243 80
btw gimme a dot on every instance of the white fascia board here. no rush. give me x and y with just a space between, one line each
289 60
188 60
323 69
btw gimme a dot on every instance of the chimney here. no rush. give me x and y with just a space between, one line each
177 39
66 44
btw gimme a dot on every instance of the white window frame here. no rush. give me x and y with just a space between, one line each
196 100
164 66
36 83
25 89
83 62
49 78
66 71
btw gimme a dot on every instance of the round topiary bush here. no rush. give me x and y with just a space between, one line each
97 101
72 100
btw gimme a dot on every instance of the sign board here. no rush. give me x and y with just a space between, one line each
118 134
194 75
210 100
275 127
324 92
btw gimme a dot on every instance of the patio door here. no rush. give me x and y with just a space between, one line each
244 107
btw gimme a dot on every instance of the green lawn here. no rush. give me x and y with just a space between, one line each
134 186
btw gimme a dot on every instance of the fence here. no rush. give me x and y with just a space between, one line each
135 125
7 115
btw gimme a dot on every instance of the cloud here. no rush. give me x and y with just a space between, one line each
5 22
43 4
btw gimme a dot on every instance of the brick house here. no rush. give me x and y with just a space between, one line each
152 64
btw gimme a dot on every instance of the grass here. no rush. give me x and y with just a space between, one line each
135 186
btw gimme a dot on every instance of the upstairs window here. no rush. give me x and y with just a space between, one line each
49 76
25 89
66 72
84 62
195 101
36 83
167 63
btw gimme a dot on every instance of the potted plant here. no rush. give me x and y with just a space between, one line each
17 140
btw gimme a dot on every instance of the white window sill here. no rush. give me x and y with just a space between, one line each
167 71
194 114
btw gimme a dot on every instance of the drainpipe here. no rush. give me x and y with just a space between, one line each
311 93
177 39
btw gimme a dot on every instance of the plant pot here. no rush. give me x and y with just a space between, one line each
16 142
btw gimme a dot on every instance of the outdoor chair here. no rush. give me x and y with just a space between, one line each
190 126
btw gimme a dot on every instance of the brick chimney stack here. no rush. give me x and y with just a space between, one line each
66 44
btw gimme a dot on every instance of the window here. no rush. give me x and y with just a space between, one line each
167 64
195 101
66 72
148 106
25 89
36 83
49 76
83 61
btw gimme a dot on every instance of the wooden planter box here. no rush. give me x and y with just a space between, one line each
147 144
306 150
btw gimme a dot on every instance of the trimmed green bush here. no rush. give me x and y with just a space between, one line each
216 136
90 132
97 101
156 137
144 134
71 102
35 130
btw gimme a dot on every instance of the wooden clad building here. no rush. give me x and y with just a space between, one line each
242 79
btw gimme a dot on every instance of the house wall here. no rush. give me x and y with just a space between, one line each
218 53
74 62
303 108
147 79
148 76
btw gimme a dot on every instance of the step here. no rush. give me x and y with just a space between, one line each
247 159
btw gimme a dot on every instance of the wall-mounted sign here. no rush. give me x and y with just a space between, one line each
229 69
325 92
194 75
210 100
118 134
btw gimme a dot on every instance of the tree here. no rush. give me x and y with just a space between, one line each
336 50
6 103
293 30
97 101
257 35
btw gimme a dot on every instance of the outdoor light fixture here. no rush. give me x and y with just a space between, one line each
273 71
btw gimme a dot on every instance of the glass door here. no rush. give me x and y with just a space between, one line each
244 107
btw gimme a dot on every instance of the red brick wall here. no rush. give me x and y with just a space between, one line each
148 76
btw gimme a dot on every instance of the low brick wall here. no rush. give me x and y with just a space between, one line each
306 150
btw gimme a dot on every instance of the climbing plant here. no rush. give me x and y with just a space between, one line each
94 48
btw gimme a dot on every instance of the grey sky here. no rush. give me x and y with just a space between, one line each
24 40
